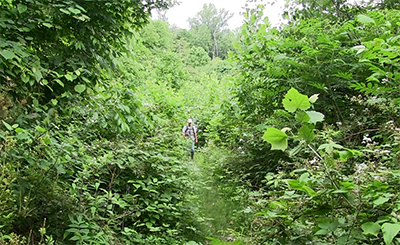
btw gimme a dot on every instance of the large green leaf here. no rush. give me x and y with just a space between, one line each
276 138
371 228
380 201
389 232
306 132
328 225
25 78
365 19
7 54
294 100
22 8
315 117
80 88
302 116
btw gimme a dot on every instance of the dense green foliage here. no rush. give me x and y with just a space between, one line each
90 120
330 182
49 47
298 128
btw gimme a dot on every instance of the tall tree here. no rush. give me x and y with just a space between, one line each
156 34
216 20
162 15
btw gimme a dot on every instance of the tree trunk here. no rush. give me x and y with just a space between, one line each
215 51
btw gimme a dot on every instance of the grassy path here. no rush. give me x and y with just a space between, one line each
215 200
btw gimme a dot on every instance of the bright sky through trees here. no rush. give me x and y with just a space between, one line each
179 15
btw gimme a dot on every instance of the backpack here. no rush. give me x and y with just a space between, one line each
187 128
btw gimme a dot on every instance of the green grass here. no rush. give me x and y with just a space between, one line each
214 201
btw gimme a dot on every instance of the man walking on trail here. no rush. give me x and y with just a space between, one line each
190 131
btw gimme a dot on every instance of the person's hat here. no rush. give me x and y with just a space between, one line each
190 120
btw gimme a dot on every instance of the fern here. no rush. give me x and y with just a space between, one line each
367 88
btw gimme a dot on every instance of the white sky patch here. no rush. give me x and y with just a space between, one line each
179 15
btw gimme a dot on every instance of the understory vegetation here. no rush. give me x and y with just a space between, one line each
298 125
